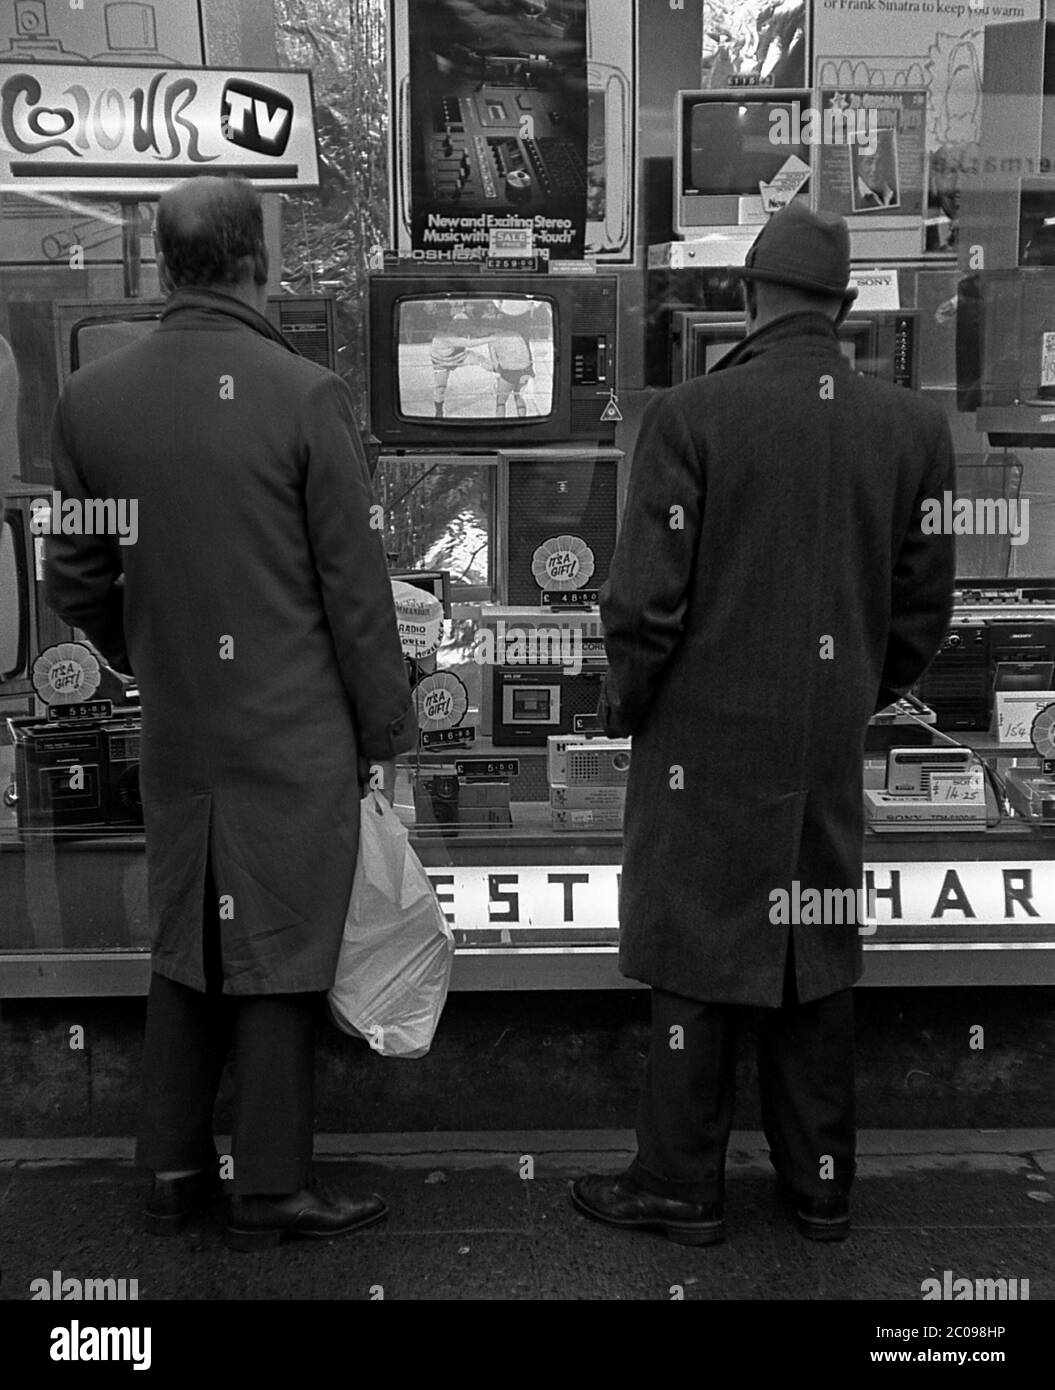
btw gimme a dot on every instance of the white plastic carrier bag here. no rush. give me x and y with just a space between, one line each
394 966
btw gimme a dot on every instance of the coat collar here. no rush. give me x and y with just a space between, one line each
808 330
198 305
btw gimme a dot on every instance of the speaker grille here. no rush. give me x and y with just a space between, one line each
547 497
308 324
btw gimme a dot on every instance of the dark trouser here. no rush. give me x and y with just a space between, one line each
806 1079
188 1037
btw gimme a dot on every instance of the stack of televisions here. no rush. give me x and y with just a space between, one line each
498 388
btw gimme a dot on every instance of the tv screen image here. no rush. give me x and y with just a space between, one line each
730 149
14 602
714 352
475 358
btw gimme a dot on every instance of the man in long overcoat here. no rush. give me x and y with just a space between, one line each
771 589
256 615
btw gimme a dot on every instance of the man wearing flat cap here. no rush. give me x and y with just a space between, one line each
771 589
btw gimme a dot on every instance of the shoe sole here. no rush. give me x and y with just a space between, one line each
711 1234
156 1225
828 1231
248 1241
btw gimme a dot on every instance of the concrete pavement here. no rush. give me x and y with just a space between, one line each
486 1216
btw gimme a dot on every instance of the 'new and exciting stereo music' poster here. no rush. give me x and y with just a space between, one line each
495 125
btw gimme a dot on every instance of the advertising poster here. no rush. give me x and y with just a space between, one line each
755 43
491 135
875 173
941 48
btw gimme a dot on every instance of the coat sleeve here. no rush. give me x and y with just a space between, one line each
83 578
644 601
923 580
350 561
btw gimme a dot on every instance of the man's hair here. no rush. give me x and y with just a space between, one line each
208 243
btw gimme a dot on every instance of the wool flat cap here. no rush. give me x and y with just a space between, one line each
810 250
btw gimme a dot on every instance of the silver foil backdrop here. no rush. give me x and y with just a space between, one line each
327 236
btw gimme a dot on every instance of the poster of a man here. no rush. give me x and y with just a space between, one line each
874 176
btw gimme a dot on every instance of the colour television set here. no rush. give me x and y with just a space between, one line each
27 624
724 151
86 330
481 361
879 343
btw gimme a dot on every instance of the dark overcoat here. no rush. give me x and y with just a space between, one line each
256 614
771 588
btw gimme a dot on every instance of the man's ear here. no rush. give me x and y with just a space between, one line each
164 278
261 266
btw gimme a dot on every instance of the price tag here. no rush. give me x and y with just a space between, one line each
586 724
957 787
444 738
486 769
570 598
513 242
87 709
531 264
1016 711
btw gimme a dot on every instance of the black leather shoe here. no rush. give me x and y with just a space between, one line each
818 1218
823 1218
317 1212
173 1201
621 1202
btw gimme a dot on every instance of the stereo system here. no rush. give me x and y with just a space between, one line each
977 654
528 703
956 683
78 775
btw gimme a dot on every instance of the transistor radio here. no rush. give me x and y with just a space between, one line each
909 770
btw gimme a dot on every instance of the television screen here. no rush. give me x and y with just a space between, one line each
13 616
715 350
474 358
729 145
439 511
95 338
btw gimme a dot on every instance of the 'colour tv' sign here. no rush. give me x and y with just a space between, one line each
130 132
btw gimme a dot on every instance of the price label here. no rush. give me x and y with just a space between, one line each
586 724
487 768
515 242
87 709
445 738
1016 711
957 787
570 598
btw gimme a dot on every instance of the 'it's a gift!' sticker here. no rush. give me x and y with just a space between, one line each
561 563
66 674
442 701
